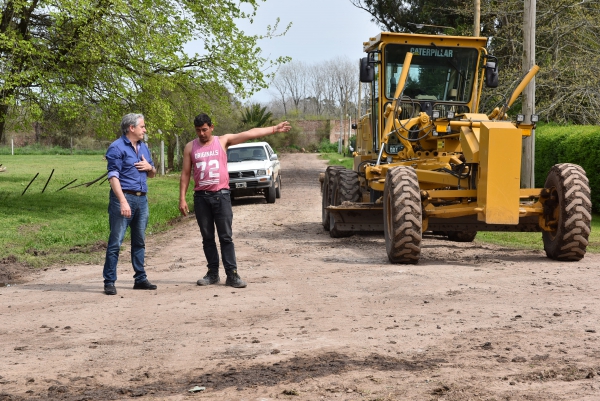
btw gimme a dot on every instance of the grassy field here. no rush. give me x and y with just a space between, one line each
42 227
514 240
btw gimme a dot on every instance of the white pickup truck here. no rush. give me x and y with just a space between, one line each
254 169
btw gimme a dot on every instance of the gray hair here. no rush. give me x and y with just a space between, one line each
129 120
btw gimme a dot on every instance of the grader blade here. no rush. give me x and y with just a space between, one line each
356 217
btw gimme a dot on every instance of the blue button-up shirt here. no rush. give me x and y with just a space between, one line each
121 156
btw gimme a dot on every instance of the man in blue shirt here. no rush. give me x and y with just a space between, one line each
129 164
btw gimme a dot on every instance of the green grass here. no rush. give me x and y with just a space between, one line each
66 226
336 159
534 240
46 150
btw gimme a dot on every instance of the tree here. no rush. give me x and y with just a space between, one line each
407 15
120 55
255 116
567 46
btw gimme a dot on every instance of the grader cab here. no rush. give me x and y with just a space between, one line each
427 160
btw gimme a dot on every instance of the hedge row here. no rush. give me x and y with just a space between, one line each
569 144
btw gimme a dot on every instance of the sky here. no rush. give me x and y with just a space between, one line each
321 30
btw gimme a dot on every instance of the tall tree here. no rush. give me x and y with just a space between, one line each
119 55
567 46
409 15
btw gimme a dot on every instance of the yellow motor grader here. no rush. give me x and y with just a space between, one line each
427 160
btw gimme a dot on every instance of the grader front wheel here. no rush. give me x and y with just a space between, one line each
568 211
402 215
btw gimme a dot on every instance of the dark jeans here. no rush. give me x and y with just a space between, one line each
118 225
214 209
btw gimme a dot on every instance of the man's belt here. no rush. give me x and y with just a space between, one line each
136 193
201 192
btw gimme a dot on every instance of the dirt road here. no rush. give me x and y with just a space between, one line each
321 319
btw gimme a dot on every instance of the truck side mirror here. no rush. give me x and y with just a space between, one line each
491 73
367 72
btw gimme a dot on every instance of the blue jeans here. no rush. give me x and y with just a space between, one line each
214 209
118 225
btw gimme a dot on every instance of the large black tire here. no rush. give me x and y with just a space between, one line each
330 176
270 193
278 189
346 188
402 215
568 211
461 236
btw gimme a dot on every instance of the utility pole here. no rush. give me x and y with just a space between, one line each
477 19
476 30
528 150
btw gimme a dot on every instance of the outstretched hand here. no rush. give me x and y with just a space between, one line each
283 127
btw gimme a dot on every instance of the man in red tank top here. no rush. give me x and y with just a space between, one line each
206 158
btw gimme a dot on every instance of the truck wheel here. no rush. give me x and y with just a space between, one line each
278 189
461 236
402 215
330 174
568 211
345 189
270 193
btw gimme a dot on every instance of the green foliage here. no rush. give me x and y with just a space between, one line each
255 116
569 144
567 47
66 61
327 147
450 18
285 140
72 224
335 159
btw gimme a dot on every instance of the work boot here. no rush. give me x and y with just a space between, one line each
109 289
234 280
210 278
144 285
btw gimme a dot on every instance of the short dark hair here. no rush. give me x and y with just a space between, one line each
202 119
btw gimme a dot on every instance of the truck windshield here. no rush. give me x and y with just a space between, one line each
246 153
436 73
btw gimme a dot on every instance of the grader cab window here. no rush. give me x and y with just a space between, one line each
436 73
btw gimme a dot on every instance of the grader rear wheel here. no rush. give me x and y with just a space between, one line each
345 189
402 215
568 211
330 175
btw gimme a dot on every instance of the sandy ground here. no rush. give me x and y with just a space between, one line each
321 319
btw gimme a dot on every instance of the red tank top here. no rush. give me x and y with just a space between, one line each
210 166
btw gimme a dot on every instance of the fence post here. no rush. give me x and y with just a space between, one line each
162 157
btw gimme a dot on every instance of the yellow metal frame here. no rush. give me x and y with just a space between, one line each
487 141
